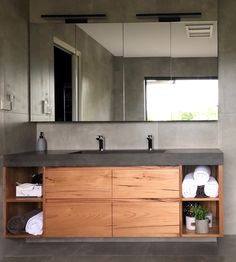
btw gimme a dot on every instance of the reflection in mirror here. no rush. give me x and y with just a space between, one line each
52 47
164 95
101 87
146 53
166 99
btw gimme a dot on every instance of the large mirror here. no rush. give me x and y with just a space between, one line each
124 72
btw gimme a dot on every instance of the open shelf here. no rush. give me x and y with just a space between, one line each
195 199
24 199
9 235
213 232
213 204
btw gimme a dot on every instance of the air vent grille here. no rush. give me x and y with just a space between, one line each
199 31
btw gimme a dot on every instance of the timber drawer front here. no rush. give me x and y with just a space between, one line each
158 182
77 183
78 219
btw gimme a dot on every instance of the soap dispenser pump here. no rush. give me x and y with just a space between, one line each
41 143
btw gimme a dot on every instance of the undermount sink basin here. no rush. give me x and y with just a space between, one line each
131 151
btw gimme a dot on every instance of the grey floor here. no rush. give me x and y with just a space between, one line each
19 250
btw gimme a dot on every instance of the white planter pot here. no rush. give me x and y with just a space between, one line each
190 223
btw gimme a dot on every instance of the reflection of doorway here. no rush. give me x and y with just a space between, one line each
63 84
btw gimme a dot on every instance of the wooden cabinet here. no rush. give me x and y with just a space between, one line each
110 201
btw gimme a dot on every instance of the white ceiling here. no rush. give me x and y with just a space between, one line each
152 39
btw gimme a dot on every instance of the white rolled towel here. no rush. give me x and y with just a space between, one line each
34 225
189 186
201 175
211 188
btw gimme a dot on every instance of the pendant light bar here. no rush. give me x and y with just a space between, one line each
76 18
169 17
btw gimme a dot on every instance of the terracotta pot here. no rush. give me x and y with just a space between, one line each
202 226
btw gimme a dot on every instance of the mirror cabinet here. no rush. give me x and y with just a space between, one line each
144 71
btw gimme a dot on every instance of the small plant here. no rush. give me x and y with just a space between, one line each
199 212
188 209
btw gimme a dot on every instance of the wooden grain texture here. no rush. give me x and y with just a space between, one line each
221 201
161 182
180 202
62 183
145 219
78 220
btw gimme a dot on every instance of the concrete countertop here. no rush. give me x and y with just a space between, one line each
92 158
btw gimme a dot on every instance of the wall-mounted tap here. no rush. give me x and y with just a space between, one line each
150 142
101 142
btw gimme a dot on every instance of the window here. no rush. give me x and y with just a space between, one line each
181 99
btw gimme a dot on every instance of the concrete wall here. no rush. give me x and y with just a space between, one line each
16 133
227 128
42 64
219 134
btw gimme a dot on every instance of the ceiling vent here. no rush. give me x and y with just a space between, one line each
199 30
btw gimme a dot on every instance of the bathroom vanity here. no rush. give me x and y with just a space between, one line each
125 193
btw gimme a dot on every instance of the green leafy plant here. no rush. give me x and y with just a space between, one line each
199 212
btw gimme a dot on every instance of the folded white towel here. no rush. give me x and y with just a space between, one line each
201 175
34 225
189 186
211 188
28 190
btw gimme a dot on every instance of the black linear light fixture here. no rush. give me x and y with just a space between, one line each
169 17
73 19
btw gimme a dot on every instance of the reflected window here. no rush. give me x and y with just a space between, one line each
181 99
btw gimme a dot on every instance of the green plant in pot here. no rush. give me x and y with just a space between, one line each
202 222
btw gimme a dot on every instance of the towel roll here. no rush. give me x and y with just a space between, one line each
34 225
16 224
189 186
201 175
211 188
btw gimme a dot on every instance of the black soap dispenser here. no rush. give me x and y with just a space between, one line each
41 143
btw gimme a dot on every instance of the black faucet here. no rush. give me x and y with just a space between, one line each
101 141
150 140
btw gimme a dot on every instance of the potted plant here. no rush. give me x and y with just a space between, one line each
202 222
189 215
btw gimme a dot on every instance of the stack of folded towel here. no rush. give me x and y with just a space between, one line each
201 177
31 222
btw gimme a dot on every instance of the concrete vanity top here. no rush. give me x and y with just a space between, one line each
62 158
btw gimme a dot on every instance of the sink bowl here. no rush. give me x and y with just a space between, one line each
123 151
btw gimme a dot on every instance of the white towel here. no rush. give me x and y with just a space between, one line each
211 188
201 175
34 225
189 186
